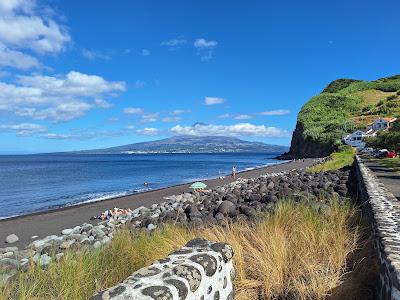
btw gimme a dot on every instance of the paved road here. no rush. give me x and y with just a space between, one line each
388 177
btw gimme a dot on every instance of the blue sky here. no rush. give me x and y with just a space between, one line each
92 74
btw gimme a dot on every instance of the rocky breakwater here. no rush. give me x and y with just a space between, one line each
240 200
200 270
245 198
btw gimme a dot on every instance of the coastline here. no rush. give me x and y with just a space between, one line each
113 196
52 221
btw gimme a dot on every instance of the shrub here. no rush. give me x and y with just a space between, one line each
387 86
388 139
391 97
381 102
392 104
367 108
338 85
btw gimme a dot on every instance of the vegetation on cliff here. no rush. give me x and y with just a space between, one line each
344 106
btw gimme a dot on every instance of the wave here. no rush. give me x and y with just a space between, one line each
83 199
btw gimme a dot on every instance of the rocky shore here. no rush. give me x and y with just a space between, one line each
242 199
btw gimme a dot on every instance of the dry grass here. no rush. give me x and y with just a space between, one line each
372 97
294 253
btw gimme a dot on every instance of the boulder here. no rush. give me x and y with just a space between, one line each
12 238
67 231
226 207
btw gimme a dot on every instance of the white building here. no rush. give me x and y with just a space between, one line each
355 139
381 123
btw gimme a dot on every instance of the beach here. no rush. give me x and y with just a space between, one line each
42 224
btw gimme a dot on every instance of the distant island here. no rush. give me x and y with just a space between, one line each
192 144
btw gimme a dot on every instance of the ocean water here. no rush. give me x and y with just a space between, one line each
31 183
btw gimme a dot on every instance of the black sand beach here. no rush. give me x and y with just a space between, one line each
52 222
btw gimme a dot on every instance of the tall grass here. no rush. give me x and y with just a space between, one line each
337 160
295 252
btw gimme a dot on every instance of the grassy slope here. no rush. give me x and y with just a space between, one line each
346 105
295 252
343 157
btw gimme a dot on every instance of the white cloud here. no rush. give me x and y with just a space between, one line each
26 26
113 120
224 116
178 112
24 129
278 112
57 136
213 100
205 48
241 129
242 117
139 84
82 134
94 55
59 98
17 59
146 52
203 43
73 84
61 112
133 110
102 103
174 43
147 131
171 119
149 117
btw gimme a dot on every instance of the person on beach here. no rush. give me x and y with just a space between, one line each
234 172
107 214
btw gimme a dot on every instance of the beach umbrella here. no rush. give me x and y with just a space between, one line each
198 185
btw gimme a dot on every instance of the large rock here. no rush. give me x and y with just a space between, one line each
226 207
12 238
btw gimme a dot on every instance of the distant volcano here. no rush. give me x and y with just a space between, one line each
193 144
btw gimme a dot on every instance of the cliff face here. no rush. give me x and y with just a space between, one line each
343 106
302 147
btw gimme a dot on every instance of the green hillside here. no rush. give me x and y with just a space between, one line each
343 106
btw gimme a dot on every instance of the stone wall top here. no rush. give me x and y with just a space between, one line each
200 270
385 209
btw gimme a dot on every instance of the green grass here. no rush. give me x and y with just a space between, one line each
294 252
338 159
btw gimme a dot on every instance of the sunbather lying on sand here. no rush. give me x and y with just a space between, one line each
107 214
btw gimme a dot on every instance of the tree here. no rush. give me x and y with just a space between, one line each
389 139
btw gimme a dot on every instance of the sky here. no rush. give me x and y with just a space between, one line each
94 74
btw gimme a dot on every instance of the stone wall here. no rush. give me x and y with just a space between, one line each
384 211
201 270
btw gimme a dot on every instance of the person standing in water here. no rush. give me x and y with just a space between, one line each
234 172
